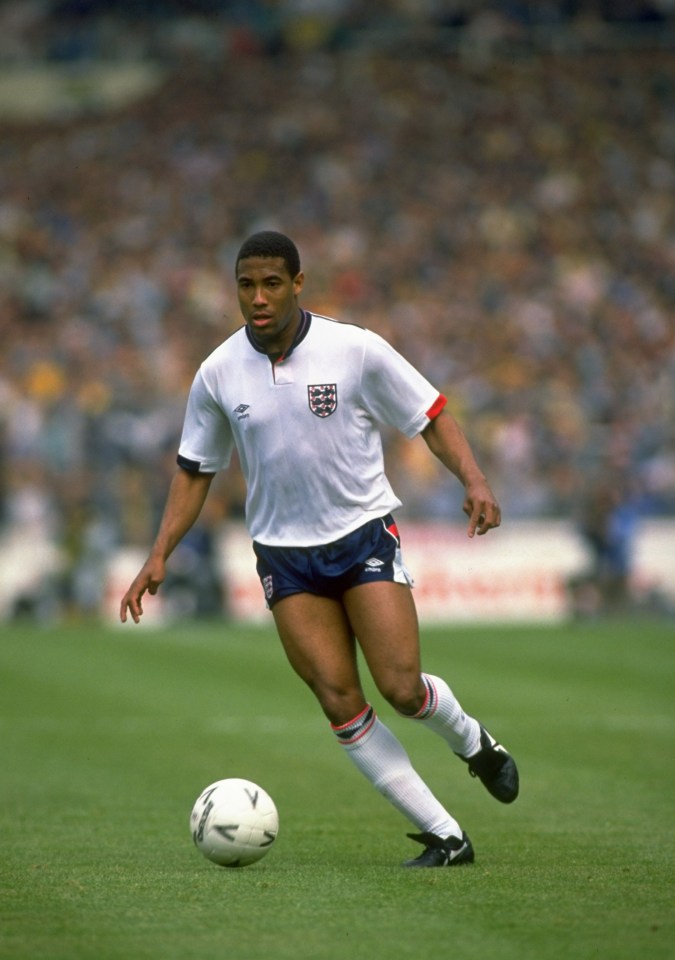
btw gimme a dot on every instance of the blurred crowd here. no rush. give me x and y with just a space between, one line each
508 224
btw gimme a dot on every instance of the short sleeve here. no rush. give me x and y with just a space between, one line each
394 392
207 441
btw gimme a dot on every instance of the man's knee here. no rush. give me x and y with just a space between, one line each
405 694
340 704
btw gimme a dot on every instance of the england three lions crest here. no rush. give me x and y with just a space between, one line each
322 398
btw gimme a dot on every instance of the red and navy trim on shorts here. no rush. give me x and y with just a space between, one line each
365 555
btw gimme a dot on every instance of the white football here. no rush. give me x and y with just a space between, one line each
234 822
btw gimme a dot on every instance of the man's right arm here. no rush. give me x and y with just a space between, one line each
183 505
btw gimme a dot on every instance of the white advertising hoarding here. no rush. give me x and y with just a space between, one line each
518 573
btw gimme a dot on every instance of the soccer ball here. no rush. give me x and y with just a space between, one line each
234 822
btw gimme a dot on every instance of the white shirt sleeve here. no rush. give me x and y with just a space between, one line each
207 440
394 392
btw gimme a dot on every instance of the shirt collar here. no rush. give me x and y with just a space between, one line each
300 334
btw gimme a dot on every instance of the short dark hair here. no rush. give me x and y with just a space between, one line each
269 243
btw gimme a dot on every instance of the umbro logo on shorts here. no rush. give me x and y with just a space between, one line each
374 564
322 398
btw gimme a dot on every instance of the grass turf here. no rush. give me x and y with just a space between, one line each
108 735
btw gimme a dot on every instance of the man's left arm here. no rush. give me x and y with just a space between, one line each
445 439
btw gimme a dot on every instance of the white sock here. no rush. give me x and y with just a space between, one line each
442 713
380 757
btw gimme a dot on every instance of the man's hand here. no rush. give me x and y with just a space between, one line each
446 441
149 578
482 509
187 494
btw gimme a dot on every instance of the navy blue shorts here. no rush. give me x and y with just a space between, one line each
373 552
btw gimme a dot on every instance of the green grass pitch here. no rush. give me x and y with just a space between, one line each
108 735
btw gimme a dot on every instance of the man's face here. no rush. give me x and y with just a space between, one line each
268 300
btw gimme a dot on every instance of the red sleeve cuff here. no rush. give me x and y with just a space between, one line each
436 406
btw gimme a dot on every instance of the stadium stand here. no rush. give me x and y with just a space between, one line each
494 193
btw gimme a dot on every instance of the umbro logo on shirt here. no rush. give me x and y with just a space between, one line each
241 411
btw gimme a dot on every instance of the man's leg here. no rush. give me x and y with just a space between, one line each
384 620
319 643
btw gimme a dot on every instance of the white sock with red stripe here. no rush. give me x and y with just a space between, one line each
380 757
442 713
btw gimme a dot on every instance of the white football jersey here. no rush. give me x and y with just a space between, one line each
306 427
